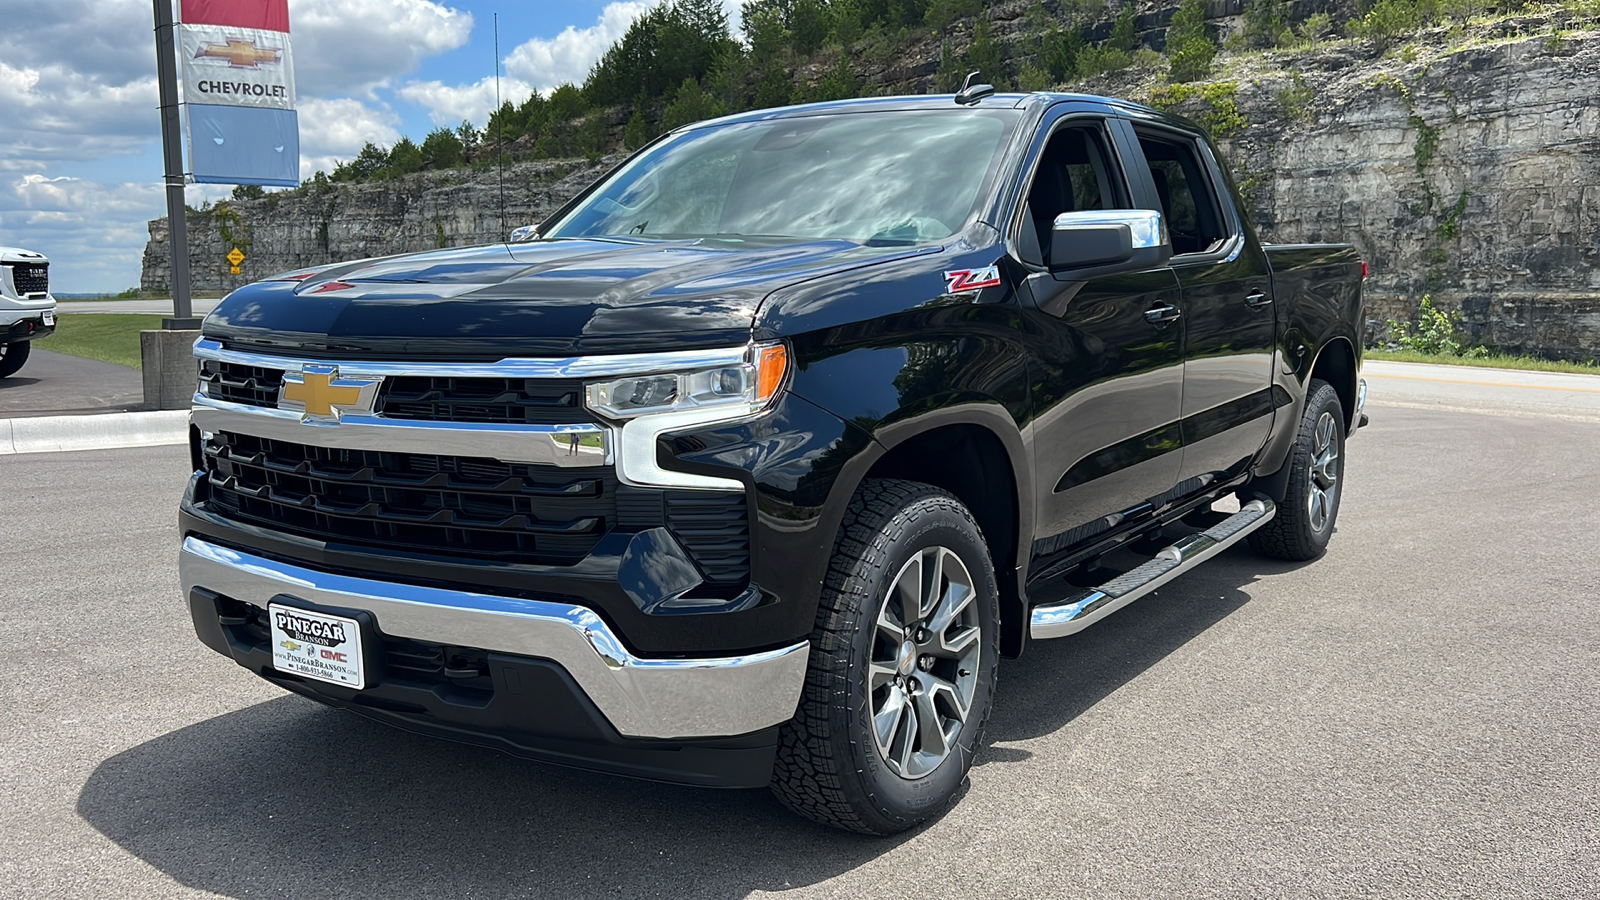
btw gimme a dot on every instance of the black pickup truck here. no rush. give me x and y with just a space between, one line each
753 463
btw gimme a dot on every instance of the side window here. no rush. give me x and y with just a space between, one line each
1074 173
1188 198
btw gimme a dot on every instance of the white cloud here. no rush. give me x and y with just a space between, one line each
93 233
53 113
548 62
334 130
344 47
448 105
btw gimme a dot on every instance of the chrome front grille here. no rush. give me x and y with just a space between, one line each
495 461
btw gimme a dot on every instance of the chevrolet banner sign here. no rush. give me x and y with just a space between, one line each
237 67
238 90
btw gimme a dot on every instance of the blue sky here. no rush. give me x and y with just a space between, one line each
80 148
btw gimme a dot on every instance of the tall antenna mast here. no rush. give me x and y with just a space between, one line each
500 126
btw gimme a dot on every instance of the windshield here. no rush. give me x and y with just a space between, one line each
876 178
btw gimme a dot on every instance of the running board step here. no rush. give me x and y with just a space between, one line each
1081 610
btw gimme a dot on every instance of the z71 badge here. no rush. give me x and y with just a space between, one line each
972 279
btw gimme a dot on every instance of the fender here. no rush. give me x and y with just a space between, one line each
898 450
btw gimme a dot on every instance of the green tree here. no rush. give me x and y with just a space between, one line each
505 124
690 104
675 40
469 136
638 132
1189 44
442 149
838 83
249 192
985 55
405 157
1123 34
845 22
942 14
1266 22
365 167
808 26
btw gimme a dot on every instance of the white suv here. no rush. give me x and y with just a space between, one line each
27 310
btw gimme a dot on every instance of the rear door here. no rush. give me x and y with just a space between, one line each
1106 380
1228 309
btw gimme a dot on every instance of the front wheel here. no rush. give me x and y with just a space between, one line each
1305 518
902 667
12 356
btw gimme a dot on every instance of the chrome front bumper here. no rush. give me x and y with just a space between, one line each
642 698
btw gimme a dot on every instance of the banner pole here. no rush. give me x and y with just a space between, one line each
172 143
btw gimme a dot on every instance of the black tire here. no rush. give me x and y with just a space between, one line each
829 765
1301 529
12 356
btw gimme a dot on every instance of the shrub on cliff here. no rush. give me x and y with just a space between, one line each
1189 44
1436 333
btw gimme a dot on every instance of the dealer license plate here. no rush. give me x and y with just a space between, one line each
316 645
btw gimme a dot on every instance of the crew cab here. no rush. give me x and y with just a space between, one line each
754 462
27 311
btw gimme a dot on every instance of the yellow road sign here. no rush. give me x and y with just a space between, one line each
235 257
233 270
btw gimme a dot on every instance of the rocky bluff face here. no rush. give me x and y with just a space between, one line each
1471 173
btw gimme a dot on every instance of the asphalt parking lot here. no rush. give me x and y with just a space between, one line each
1417 714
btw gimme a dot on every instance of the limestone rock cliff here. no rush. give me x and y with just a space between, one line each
1466 168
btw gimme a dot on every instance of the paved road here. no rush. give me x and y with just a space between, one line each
1485 390
54 384
1417 714
147 307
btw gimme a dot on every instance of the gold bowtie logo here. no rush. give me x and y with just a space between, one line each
318 389
240 54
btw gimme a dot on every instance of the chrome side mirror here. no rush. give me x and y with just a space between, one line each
524 234
1097 242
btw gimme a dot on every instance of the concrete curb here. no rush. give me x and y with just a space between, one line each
110 431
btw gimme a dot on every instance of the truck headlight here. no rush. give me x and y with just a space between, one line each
646 406
724 392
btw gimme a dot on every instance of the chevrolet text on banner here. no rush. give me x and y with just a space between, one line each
238 87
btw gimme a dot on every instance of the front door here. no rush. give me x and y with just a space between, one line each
1107 379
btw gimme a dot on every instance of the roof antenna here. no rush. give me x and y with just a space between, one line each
500 128
971 93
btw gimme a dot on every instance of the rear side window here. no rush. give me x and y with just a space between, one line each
1187 196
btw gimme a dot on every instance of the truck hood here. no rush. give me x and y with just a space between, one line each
17 254
547 298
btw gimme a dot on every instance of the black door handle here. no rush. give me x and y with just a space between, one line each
1257 298
1162 314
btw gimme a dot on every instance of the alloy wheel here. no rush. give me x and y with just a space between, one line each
1324 481
924 667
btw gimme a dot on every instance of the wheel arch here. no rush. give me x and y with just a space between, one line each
1336 364
975 452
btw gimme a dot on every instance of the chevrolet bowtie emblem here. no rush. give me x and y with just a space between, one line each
319 393
240 54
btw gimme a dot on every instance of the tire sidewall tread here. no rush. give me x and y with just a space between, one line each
828 766
1289 535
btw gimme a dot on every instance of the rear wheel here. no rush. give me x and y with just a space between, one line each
1310 505
12 356
902 668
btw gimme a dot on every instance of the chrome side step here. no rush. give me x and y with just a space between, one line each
1078 612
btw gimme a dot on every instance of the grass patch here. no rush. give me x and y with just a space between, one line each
108 337
1492 361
